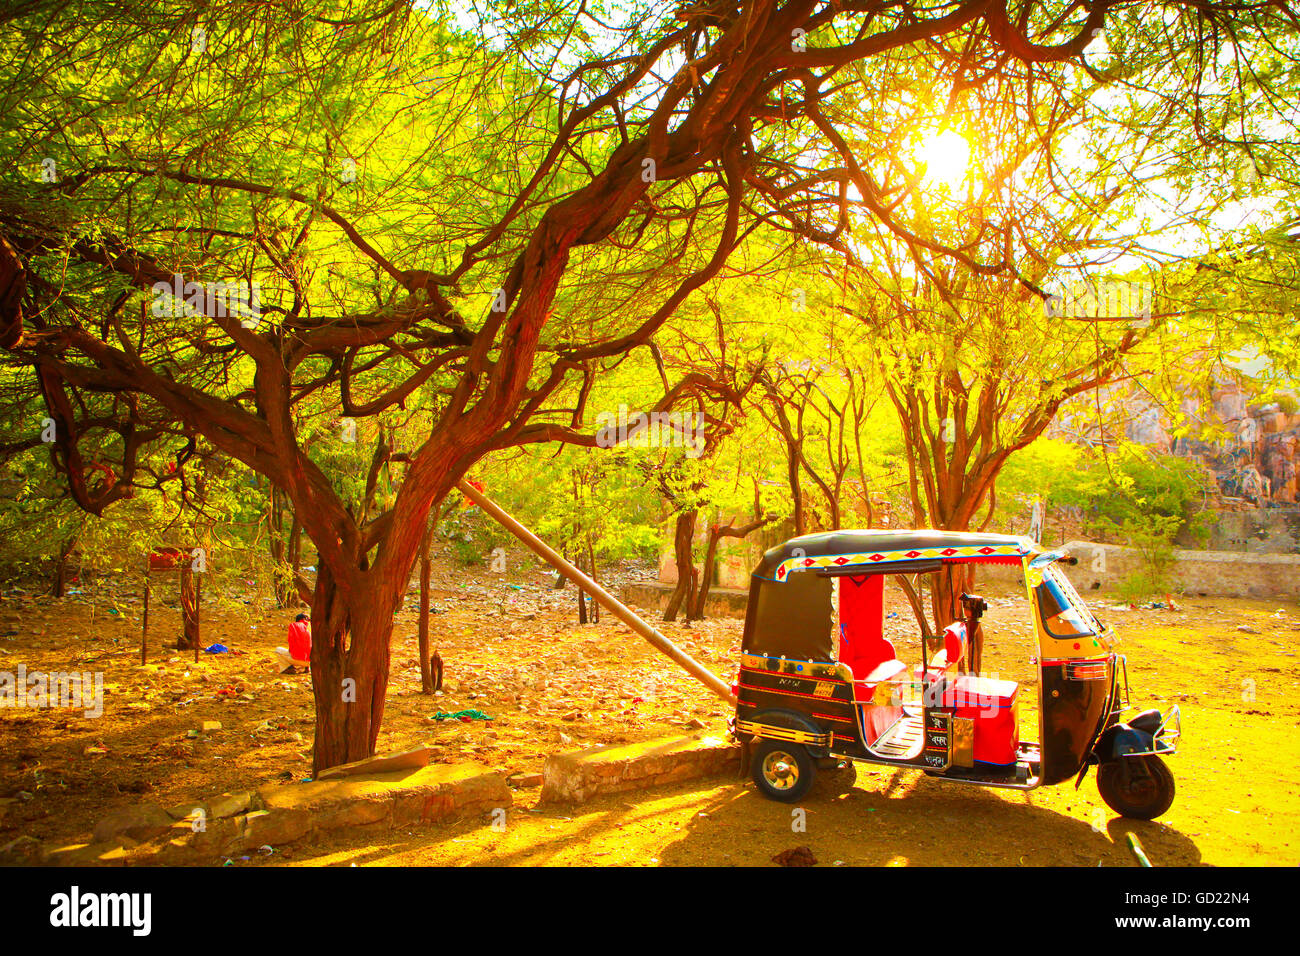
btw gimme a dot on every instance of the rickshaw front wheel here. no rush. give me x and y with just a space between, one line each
1137 787
782 771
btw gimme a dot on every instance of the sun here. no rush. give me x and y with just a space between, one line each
945 157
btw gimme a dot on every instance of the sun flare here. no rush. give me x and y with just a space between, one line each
945 157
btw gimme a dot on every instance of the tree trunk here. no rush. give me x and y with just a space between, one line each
350 659
695 611
59 586
190 638
946 588
683 541
577 562
285 549
591 560
275 539
295 561
426 567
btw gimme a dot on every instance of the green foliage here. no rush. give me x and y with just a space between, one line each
1145 500
1151 536
1125 492
1046 470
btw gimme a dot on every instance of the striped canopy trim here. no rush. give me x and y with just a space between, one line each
991 553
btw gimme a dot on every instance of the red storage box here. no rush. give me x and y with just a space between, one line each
992 705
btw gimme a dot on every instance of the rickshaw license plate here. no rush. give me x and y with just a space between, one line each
824 689
935 751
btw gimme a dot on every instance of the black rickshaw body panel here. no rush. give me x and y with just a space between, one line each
816 695
1076 707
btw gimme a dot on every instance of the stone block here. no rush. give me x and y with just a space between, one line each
577 777
139 822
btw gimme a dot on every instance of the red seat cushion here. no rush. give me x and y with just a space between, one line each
887 671
946 662
954 643
991 704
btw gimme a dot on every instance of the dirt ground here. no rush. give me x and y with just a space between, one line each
512 649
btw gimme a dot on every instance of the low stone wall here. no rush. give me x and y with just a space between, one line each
1102 567
578 777
654 595
240 823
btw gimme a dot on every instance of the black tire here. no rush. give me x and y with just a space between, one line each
782 771
1137 787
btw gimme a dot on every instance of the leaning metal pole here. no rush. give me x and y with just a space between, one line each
603 597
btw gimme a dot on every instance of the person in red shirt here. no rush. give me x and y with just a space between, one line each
298 653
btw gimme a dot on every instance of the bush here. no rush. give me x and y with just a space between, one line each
467 551
1151 536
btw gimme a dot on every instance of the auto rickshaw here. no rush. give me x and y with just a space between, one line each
819 683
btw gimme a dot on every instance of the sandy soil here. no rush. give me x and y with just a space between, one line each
513 650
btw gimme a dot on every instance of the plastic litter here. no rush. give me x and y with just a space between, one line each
217 649
462 715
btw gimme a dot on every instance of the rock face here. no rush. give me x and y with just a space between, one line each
577 777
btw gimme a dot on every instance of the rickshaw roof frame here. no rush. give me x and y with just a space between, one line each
863 551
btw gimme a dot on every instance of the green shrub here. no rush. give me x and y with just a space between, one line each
467 551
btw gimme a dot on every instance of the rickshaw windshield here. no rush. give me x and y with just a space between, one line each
1063 612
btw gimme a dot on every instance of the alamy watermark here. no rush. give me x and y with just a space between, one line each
133 911
652 430
1101 299
219 300
77 689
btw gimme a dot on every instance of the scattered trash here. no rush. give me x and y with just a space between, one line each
217 649
462 715
266 849
1247 629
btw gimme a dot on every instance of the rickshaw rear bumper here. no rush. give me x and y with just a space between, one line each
1149 734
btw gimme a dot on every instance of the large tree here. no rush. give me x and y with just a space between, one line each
471 214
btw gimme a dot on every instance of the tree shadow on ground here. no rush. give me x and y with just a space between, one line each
908 819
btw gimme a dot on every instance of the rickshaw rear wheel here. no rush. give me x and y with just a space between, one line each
1142 790
782 771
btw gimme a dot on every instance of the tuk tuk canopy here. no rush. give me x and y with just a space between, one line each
900 552
791 609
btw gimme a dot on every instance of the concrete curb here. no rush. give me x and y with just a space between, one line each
578 777
238 824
